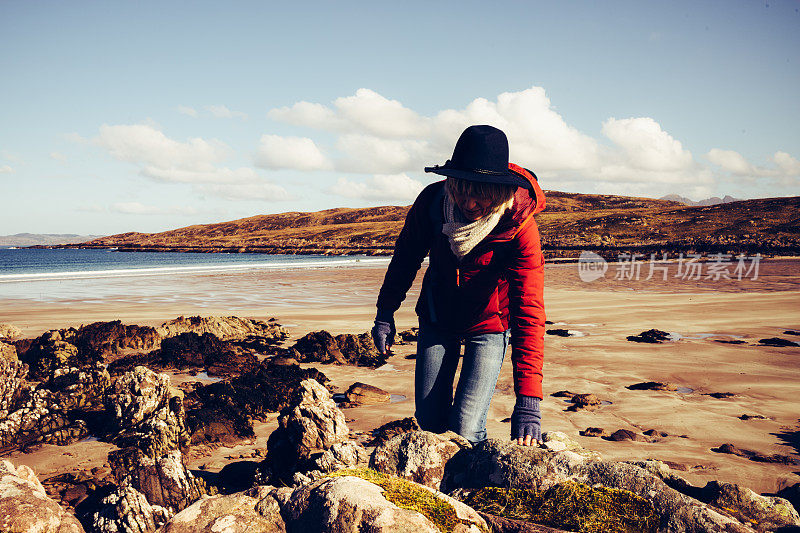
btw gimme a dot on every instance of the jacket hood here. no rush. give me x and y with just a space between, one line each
527 202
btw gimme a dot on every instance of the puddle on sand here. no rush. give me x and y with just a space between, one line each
575 333
203 376
684 390
90 438
388 367
397 398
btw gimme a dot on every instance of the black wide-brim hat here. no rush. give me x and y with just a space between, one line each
481 154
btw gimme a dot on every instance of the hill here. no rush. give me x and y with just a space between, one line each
32 239
570 222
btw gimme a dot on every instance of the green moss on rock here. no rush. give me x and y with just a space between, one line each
408 495
572 506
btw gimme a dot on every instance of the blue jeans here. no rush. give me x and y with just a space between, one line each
438 353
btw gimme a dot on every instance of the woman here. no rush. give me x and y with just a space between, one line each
483 284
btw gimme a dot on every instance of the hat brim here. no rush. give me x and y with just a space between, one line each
508 178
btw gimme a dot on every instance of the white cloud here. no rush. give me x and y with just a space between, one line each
6 169
731 161
146 145
299 153
137 208
368 154
385 187
644 145
58 156
221 111
370 112
268 192
788 165
186 110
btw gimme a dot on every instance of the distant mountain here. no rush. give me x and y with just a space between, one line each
44 239
570 222
714 200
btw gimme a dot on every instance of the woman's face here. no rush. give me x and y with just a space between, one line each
472 207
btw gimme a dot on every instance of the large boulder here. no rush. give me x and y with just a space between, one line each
25 507
379 505
9 332
766 513
418 456
311 423
79 388
136 395
126 510
322 347
37 417
364 394
110 338
164 480
54 349
253 511
225 327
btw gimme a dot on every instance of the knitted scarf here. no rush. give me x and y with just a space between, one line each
463 234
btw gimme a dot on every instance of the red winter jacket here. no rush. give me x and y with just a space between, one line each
497 285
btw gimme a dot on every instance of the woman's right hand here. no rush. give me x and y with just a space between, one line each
383 333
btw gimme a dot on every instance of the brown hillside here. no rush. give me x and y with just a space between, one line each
570 222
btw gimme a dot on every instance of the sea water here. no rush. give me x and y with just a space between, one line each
56 275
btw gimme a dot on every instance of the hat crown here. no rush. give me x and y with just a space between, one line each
481 148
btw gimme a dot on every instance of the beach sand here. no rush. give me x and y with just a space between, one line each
765 380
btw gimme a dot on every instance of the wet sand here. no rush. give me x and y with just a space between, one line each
765 380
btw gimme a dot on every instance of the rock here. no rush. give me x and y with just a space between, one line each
25 506
791 494
164 480
766 513
655 433
584 401
752 417
321 346
720 395
51 351
626 434
226 328
364 394
500 524
563 394
9 332
126 510
787 332
675 511
593 432
412 335
251 512
12 377
237 476
419 456
311 422
390 429
571 506
100 339
223 412
36 417
79 388
756 456
778 342
506 464
350 503
136 395
558 332
653 385
652 336
734 341
341 455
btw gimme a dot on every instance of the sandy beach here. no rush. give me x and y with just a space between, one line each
595 359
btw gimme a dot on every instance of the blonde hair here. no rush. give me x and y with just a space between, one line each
500 195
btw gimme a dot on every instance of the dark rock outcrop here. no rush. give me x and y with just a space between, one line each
226 328
653 385
626 434
321 346
390 429
652 336
778 342
756 456
223 412
101 339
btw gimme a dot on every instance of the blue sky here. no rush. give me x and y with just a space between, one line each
146 116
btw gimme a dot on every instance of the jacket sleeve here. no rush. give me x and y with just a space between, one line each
526 311
413 244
